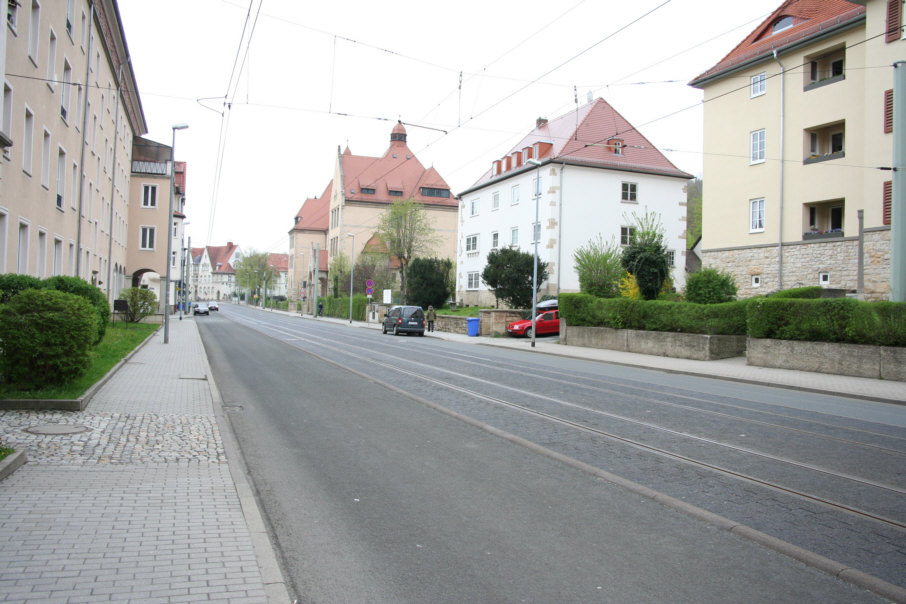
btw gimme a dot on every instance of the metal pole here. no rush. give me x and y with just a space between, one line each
898 194
535 263
351 271
170 232
317 279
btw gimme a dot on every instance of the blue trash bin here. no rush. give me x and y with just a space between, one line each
473 326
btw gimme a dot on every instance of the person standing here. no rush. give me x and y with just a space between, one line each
430 317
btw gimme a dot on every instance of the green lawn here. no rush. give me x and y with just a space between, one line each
119 340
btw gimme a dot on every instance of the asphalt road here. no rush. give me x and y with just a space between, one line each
374 495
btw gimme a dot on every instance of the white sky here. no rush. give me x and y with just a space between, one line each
309 61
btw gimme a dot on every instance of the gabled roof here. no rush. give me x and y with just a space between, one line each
376 245
398 170
315 212
179 177
220 255
197 253
280 262
587 137
806 19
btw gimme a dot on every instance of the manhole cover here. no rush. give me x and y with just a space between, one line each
57 429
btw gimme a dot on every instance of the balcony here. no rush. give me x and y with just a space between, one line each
813 235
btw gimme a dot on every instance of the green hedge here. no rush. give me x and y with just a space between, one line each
339 307
47 337
819 320
80 287
812 292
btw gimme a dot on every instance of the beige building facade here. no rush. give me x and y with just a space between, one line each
797 128
70 112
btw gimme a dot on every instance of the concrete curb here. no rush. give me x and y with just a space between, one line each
11 463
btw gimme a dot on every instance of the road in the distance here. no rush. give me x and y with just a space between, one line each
373 496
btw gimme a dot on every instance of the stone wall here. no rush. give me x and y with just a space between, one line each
879 362
699 347
804 260
494 321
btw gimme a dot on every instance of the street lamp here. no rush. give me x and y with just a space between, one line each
351 271
170 232
537 236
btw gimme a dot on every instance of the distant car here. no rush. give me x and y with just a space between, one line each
546 323
213 306
201 308
404 319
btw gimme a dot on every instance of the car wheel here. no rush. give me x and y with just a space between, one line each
421 333
528 332
384 329
396 330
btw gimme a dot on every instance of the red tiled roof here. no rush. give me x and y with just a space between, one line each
179 176
584 137
280 262
398 169
220 255
376 245
315 212
810 17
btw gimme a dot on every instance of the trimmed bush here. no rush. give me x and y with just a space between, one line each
142 303
46 337
710 286
11 284
80 287
805 293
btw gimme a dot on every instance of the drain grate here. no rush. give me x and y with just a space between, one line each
57 429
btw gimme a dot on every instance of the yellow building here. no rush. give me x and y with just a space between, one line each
70 112
797 129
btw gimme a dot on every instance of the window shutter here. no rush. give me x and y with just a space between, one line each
888 111
894 19
888 197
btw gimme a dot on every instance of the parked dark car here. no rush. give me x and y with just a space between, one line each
546 323
200 309
213 306
404 319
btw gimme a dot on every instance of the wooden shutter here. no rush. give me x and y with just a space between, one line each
894 20
888 111
888 197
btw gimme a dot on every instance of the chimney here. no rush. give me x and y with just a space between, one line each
541 121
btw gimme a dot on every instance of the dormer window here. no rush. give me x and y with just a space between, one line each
395 193
617 145
495 167
781 24
367 191
435 192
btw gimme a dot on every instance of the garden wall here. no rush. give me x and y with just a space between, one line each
699 347
884 362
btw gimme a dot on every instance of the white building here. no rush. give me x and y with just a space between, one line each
215 277
596 170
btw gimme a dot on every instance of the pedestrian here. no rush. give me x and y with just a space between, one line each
320 309
431 317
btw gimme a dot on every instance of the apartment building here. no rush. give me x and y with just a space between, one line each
70 112
797 130
585 173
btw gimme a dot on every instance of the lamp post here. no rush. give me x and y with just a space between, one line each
537 236
170 232
351 271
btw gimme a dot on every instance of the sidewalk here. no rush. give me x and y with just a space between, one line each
140 497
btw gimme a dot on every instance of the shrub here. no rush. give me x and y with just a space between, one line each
827 320
599 268
710 286
142 303
429 282
80 287
811 293
11 284
47 337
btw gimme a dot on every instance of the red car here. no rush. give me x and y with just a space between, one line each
546 323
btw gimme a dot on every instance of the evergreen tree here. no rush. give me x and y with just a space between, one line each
509 273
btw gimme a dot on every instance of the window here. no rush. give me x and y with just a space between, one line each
52 60
22 261
617 145
756 280
61 177
536 232
367 191
629 192
495 200
825 142
12 14
34 30
671 258
894 21
627 234
6 120
825 69
70 5
514 236
57 257
395 193
41 259
474 280
45 160
758 84
75 185
473 207
758 143
756 222
27 140
433 192
536 186
147 239
67 80
149 196
824 279
83 32
495 240
781 24
514 195
471 243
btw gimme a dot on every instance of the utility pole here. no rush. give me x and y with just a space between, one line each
898 194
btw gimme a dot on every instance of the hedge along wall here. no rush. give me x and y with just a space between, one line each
819 320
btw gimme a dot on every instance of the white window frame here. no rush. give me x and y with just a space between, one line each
45 159
824 279
495 240
4 222
12 17
514 195
57 267
474 280
629 192
61 177
474 206
147 234
51 79
757 146
152 203
41 255
22 247
626 234
537 186
759 84
75 185
471 243
756 280
756 215
514 236
70 17
34 30
66 90
28 134
495 201
536 232
6 120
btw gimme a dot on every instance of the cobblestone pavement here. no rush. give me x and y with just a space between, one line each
139 505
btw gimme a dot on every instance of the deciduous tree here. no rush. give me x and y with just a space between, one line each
407 232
